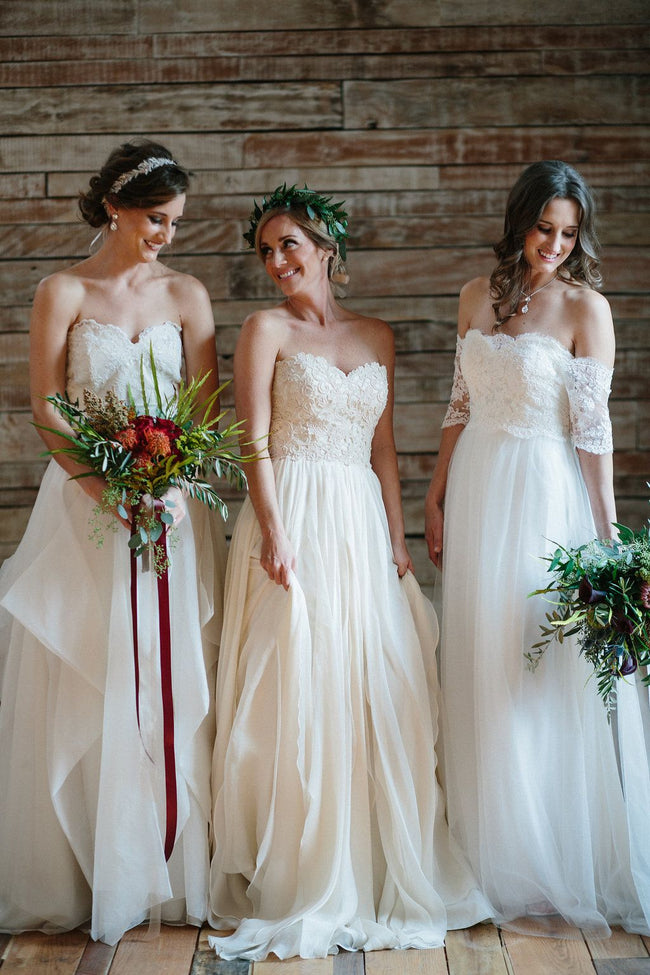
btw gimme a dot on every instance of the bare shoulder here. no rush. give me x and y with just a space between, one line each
474 304
58 298
60 285
376 327
593 328
366 324
185 287
587 303
376 335
476 289
264 328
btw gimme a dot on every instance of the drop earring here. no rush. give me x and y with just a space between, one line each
113 223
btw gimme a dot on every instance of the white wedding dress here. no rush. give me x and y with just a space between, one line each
329 824
82 797
534 792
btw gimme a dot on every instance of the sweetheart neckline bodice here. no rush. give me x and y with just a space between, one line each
322 413
327 362
132 341
101 358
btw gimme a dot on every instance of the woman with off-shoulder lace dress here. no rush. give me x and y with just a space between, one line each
552 817
87 815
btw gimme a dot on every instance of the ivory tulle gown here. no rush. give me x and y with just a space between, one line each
534 792
82 799
329 826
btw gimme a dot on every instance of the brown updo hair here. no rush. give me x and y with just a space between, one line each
316 231
145 190
540 183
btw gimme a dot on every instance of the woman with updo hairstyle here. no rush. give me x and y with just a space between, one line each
105 802
548 799
155 185
328 824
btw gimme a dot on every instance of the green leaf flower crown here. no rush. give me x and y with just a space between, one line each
318 208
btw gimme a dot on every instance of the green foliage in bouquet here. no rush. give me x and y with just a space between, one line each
602 594
174 442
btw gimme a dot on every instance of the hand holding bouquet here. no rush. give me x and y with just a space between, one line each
174 442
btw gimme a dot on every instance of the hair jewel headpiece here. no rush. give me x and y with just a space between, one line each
142 169
321 208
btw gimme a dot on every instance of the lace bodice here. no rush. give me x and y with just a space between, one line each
531 386
102 358
322 413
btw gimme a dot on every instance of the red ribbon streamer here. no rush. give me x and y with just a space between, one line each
165 642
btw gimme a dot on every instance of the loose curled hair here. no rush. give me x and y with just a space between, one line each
537 186
152 189
315 230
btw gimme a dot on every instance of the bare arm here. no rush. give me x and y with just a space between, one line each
255 357
383 459
53 312
598 470
434 503
199 346
472 296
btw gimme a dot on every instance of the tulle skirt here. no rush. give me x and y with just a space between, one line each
82 788
329 823
551 819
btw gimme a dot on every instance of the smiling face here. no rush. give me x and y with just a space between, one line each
553 237
146 231
291 258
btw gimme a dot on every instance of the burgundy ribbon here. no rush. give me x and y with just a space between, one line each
165 642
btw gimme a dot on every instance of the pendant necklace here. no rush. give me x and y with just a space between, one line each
524 308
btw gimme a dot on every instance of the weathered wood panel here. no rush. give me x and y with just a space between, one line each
575 144
35 952
195 70
202 107
169 953
163 15
78 17
606 39
490 101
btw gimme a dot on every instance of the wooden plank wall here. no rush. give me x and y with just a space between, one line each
420 113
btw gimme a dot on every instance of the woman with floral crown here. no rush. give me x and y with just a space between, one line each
552 826
95 828
328 823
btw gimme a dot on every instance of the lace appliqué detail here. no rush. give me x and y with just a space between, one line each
101 357
588 387
322 413
517 384
458 409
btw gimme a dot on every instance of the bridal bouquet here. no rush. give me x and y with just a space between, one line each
173 443
602 594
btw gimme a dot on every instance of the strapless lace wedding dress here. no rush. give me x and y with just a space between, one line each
534 792
82 811
329 825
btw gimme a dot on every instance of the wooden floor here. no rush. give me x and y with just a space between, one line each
483 950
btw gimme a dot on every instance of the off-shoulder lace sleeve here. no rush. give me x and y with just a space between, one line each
588 386
458 409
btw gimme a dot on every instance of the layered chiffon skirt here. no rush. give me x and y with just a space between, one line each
83 800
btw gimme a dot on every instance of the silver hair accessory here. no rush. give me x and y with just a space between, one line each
143 169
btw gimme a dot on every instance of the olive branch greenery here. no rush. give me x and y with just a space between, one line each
318 207
601 594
